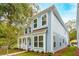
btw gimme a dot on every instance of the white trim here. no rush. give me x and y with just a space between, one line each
44 42
37 24
46 20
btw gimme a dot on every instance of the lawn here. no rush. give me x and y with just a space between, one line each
4 51
33 54
69 51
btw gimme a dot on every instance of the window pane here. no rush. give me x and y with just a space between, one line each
40 38
25 41
54 44
26 30
60 43
44 20
35 25
35 38
35 21
35 44
29 29
63 40
19 41
40 44
44 17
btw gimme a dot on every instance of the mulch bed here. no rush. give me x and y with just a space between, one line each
77 52
59 53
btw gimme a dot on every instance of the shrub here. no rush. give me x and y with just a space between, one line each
37 51
42 52
49 54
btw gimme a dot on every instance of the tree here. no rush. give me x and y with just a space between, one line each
15 14
9 34
72 34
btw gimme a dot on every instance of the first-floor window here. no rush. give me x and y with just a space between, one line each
63 40
19 42
35 41
40 41
24 41
54 44
29 41
25 30
60 43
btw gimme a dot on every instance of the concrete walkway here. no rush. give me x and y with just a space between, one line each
14 54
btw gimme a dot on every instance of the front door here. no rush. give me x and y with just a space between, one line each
29 43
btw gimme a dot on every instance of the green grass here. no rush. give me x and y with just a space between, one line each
31 54
70 51
4 51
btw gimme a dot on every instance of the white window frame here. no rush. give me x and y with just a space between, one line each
46 19
34 23
38 41
41 41
25 30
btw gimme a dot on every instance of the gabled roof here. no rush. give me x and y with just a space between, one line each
54 9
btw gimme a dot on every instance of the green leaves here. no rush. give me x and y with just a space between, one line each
16 12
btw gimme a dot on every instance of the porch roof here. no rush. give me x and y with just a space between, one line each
37 31
40 30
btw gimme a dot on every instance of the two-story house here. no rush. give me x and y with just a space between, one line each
45 32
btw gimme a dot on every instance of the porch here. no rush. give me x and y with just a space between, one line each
35 41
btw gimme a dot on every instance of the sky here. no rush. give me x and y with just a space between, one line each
67 11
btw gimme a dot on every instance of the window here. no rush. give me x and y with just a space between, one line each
29 29
44 20
35 23
40 41
63 40
35 41
54 44
29 41
20 43
25 41
60 43
54 41
25 30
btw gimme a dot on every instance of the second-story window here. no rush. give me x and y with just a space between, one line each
35 23
44 19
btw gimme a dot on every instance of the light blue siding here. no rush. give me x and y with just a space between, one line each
49 33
